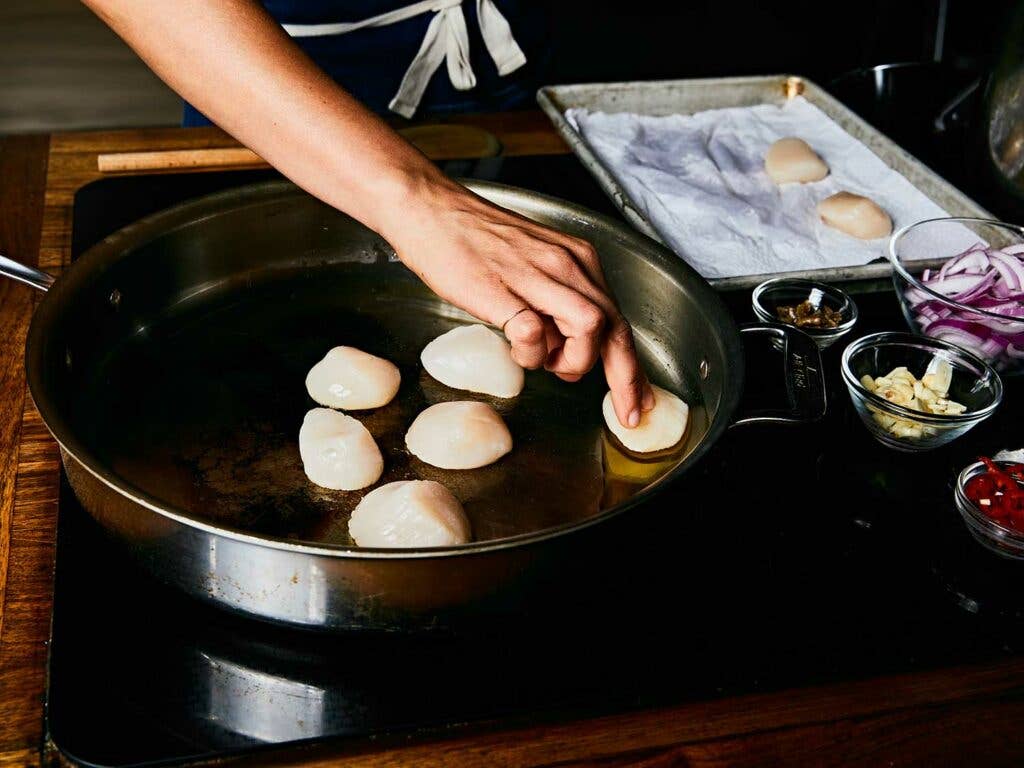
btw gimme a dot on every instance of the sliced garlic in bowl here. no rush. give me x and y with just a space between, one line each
956 390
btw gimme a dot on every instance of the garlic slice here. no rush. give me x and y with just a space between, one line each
939 375
927 395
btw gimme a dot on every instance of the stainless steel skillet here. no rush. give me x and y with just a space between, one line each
168 362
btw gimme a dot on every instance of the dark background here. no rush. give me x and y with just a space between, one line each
644 40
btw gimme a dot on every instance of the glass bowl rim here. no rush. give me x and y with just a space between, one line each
897 262
780 282
903 339
965 504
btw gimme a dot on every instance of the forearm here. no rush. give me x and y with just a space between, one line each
235 63
544 288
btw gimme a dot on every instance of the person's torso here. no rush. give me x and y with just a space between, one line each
371 62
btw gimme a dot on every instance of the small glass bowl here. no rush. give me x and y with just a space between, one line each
975 384
985 530
784 291
930 243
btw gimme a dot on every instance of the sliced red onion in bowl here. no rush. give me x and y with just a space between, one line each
958 284
988 280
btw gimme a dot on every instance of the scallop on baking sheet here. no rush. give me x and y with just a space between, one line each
791 160
855 215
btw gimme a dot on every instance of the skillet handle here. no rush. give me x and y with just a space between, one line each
32 277
805 380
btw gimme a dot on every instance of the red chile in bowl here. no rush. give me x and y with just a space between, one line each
998 493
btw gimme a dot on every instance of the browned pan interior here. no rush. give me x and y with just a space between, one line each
170 360
200 409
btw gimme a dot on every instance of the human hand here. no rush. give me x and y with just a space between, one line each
545 289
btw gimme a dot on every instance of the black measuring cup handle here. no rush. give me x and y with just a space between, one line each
804 377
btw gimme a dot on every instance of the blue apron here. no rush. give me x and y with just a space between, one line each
371 62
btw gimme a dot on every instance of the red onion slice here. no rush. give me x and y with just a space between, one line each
1009 269
990 280
960 284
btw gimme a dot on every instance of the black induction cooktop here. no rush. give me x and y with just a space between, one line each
788 557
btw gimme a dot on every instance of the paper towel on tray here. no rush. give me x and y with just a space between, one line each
700 181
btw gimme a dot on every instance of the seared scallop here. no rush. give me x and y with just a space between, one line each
409 514
350 379
459 435
338 452
474 358
661 427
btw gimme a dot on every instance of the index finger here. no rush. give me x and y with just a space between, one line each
623 373
623 351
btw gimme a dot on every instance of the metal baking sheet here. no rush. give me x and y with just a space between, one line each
684 97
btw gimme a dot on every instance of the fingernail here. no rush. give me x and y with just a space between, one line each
648 398
634 418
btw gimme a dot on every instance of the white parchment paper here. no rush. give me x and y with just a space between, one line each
700 180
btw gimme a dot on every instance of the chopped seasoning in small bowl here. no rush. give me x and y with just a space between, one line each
807 314
823 312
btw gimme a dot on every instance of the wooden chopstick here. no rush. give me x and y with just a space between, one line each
438 142
179 159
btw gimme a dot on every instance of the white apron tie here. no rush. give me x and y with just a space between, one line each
446 38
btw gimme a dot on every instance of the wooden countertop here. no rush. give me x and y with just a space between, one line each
946 716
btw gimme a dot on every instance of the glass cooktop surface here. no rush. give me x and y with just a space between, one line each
788 557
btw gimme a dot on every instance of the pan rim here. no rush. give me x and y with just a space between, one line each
190 212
